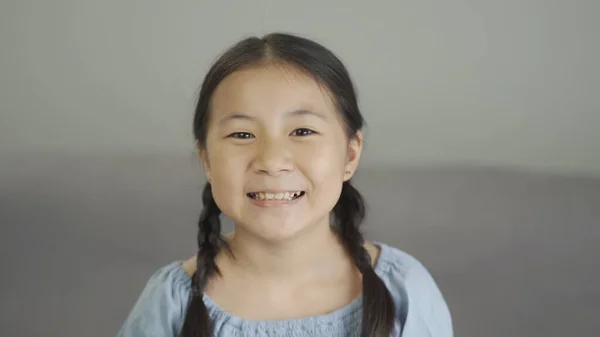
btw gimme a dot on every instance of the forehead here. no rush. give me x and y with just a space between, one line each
270 89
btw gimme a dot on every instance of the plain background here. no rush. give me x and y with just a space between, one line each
482 155
509 83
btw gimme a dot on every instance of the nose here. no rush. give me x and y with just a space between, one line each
272 157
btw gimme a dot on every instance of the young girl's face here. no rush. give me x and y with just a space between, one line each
276 151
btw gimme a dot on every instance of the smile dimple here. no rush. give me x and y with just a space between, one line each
275 196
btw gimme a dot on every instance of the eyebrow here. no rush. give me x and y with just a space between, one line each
294 113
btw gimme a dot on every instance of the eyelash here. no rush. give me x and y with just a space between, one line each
237 134
310 132
247 135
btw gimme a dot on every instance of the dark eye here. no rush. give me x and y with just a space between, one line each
302 132
241 135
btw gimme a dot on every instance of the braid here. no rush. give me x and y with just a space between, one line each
197 322
378 308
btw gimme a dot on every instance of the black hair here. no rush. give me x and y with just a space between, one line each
320 63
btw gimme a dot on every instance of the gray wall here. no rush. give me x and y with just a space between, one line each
482 155
510 83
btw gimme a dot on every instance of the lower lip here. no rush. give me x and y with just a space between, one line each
274 203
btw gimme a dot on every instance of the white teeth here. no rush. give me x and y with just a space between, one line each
276 196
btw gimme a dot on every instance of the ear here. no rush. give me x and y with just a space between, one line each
204 160
355 146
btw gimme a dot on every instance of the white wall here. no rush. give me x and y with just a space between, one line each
508 83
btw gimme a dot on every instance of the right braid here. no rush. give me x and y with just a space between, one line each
210 241
378 307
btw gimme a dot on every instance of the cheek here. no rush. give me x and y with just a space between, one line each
226 162
327 156
326 180
227 173
226 166
323 163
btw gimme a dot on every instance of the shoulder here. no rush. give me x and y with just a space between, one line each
397 265
420 305
189 266
160 308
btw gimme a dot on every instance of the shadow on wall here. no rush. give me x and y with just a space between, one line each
515 254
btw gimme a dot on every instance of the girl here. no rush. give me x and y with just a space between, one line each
278 131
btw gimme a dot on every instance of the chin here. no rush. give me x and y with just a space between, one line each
272 230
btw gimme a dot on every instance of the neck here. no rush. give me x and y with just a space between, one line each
310 255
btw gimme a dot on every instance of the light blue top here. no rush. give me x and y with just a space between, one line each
421 310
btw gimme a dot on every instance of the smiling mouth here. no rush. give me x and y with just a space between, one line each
267 196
